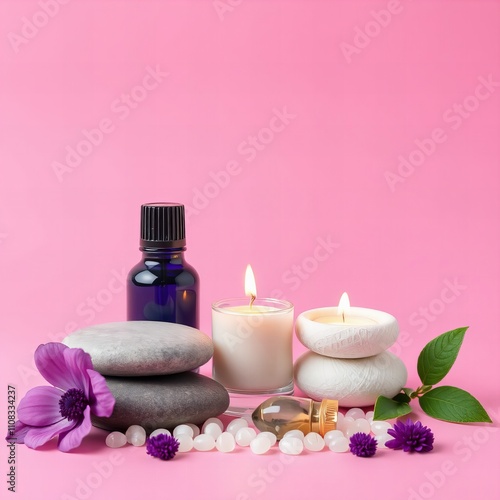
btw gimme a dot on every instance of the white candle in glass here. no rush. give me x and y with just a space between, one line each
253 343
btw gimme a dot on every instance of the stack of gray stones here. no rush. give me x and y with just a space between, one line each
149 367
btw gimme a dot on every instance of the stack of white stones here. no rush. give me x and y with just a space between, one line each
348 361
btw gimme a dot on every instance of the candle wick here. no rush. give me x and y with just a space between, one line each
252 300
343 317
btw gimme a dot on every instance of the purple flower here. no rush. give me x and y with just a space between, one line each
362 445
65 409
162 446
410 436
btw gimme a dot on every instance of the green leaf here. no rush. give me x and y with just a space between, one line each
408 391
386 408
425 388
453 405
438 356
402 398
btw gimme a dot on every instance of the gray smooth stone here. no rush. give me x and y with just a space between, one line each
163 402
139 348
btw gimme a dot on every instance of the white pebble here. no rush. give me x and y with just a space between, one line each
295 433
196 429
355 413
116 440
160 431
260 445
237 424
339 445
352 428
245 435
183 429
362 425
291 446
382 439
369 416
185 442
225 442
136 435
204 442
213 430
331 435
270 436
340 418
314 442
380 427
344 424
213 420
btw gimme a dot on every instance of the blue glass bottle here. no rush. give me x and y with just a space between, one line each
163 286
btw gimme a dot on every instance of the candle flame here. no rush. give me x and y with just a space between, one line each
250 286
344 305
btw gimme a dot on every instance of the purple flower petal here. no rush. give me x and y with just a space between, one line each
410 436
40 406
37 436
73 438
162 446
393 444
78 362
66 408
362 445
102 401
63 367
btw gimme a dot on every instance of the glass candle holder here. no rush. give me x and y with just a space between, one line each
252 350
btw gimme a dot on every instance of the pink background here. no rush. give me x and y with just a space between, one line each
322 176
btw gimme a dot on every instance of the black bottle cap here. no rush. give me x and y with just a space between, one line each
163 225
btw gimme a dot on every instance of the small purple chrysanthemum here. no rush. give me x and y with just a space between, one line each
162 446
410 436
362 445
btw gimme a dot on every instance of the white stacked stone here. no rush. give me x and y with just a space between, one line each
349 362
